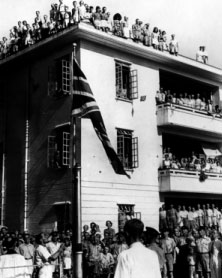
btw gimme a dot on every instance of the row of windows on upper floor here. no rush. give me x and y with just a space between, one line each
59 80
59 148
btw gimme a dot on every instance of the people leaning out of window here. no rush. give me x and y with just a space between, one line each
193 162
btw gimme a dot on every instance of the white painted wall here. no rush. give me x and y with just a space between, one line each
102 189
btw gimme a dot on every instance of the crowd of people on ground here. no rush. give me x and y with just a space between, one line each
50 254
191 240
194 101
187 245
61 17
35 256
194 162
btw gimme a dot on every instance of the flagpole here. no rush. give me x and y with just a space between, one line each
76 192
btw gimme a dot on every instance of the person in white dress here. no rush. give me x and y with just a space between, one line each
137 261
43 258
174 45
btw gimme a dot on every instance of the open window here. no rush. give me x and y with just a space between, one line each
58 155
62 211
126 81
125 213
127 148
59 77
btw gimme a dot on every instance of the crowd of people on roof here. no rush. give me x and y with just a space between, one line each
192 240
61 17
194 162
194 101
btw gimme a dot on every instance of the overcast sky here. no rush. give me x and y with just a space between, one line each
195 22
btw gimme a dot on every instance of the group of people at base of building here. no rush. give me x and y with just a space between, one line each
61 17
181 249
43 256
193 240
121 255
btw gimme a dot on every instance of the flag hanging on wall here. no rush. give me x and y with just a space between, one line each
84 105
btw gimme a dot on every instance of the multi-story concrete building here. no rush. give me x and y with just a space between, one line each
124 77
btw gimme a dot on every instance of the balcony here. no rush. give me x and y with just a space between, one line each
172 180
194 123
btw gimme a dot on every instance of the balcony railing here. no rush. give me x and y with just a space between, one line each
177 180
187 118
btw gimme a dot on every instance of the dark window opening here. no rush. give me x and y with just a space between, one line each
126 82
59 147
59 77
127 148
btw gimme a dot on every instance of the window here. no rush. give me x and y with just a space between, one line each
127 148
126 82
66 76
51 151
65 148
59 77
58 155
62 213
126 212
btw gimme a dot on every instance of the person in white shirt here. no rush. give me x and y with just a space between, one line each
43 258
174 46
209 215
198 102
199 55
53 246
82 10
204 55
203 104
192 101
214 215
186 100
137 261
209 107
200 215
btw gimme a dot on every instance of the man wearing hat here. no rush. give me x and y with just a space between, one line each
152 238
138 261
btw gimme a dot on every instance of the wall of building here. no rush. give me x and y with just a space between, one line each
102 188
46 186
16 89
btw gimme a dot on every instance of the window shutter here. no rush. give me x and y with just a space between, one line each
66 76
119 80
58 64
120 148
51 151
137 215
65 148
133 84
135 159
52 84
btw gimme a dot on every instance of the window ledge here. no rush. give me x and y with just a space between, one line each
124 99
129 170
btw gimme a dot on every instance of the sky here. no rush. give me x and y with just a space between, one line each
194 22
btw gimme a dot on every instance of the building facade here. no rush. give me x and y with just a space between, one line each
124 77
